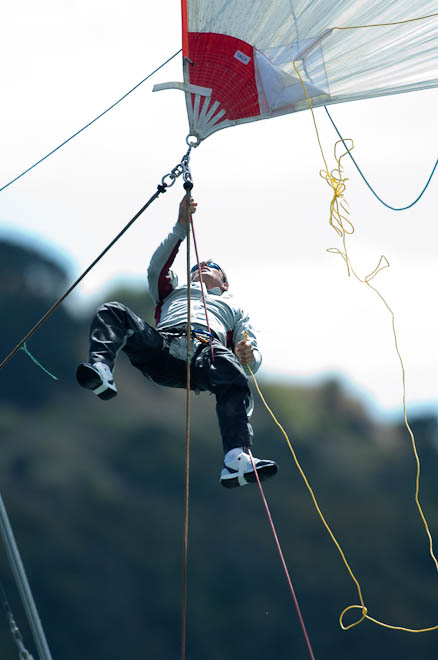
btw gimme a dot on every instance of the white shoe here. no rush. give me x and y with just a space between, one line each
239 471
97 377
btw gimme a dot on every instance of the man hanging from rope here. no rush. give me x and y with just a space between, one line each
160 353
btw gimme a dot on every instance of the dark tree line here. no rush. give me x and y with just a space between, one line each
94 491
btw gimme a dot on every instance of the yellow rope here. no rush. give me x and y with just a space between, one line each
362 606
343 227
408 20
337 221
334 178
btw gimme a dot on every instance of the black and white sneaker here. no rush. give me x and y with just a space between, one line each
238 471
98 378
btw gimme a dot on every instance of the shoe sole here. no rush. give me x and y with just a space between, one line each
265 472
89 379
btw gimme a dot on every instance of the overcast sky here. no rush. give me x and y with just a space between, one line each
263 208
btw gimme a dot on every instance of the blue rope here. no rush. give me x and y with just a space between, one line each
35 361
403 208
89 123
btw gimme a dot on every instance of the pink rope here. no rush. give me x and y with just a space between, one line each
300 617
202 286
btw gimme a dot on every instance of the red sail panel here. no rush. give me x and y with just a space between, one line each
226 65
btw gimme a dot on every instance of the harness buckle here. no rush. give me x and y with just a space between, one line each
203 335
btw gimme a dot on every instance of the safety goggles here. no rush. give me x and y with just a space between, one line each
210 264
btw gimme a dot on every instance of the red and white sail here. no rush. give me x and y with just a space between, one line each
239 54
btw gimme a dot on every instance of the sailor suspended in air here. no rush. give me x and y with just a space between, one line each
218 355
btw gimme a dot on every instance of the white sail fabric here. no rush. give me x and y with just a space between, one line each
243 51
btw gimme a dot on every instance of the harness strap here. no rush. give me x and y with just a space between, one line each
200 334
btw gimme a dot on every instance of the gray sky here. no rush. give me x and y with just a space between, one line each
263 208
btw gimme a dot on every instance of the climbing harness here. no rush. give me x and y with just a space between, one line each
205 336
197 333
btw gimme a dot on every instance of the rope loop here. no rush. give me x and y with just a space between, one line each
172 176
383 263
195 142
362 606
355 623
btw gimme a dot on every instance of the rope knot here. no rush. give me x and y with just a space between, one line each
361 607
337 182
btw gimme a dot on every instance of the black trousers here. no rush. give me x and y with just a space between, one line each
115 327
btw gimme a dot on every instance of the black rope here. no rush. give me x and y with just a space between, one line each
160 189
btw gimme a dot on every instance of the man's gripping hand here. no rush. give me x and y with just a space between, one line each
244 352
183 215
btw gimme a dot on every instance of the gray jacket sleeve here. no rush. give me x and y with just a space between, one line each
161 279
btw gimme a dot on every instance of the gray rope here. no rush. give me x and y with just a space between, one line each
23 587
88 125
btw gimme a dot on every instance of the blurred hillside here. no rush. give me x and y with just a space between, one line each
95 495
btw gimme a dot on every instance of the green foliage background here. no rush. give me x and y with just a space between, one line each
95 495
